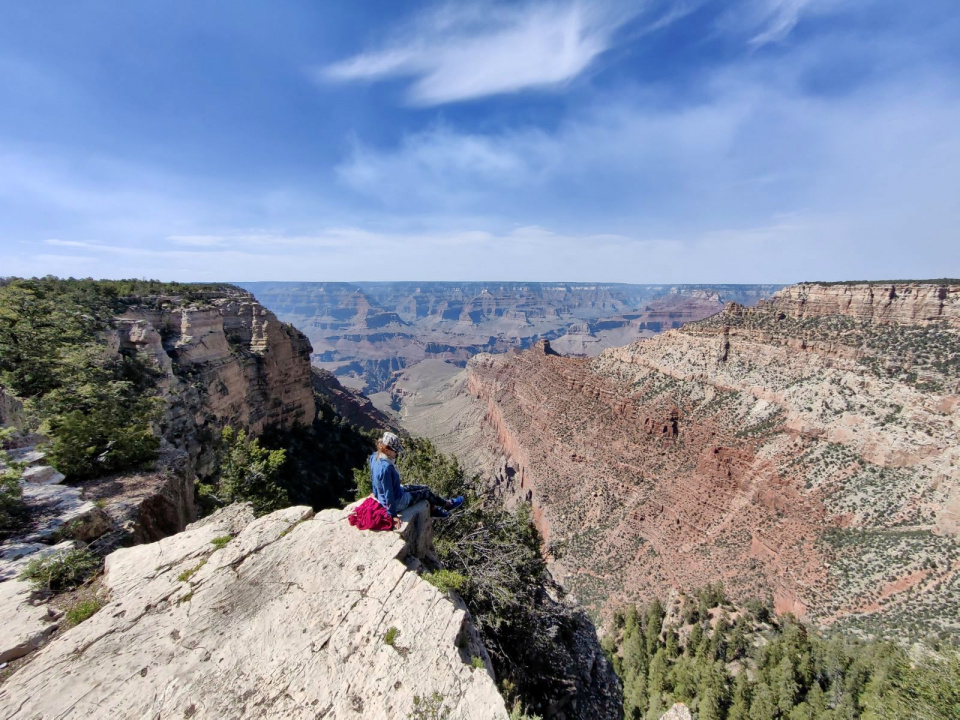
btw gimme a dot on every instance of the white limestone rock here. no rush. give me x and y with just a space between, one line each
55 506
25 622
43 475
679 711
287 620
23 625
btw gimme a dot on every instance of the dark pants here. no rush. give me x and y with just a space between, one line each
421 492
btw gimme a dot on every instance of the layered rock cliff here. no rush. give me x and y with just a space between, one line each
905 303
218 359
349 404
239 617
214 358
804 449
224 361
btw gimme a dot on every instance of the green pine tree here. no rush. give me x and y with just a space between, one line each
657 685
248 473
763 706
654 623
785 685
739 643
740 707
709 707
693 642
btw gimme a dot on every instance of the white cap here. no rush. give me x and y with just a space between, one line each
392 442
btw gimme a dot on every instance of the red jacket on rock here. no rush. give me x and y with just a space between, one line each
370 515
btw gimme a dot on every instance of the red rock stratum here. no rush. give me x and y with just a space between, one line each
805 449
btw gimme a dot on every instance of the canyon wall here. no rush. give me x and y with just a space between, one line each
349 404
217 359
805 449
905 302
224 361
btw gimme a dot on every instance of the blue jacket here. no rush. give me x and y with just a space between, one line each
386 482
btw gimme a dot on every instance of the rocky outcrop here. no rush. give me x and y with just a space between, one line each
54 511
227 361
265 625
25 622
143 506
11 411
102 514
805 455
222 360
582 683
679 711
910 303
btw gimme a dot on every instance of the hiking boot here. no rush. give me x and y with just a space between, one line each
438 513
455 503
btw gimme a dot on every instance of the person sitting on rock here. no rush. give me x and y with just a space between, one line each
396 497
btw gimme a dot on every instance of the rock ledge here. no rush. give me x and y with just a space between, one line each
286 620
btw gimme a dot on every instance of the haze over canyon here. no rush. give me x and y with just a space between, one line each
365 332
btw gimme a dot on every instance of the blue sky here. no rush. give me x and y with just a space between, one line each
644 141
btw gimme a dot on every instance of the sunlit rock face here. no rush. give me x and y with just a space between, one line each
905 303
805 449
225 361
285 616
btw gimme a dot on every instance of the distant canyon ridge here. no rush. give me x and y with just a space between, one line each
366 333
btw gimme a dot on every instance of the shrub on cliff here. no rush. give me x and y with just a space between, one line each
11 493
11 499
61 571
100 416
248 473
41 317
38 320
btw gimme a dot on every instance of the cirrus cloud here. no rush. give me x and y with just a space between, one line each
465 51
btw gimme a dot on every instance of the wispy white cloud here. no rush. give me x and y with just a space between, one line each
777 18
196 240
771 21
527 253
463 166
67 243
768 166
472 50
469 50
